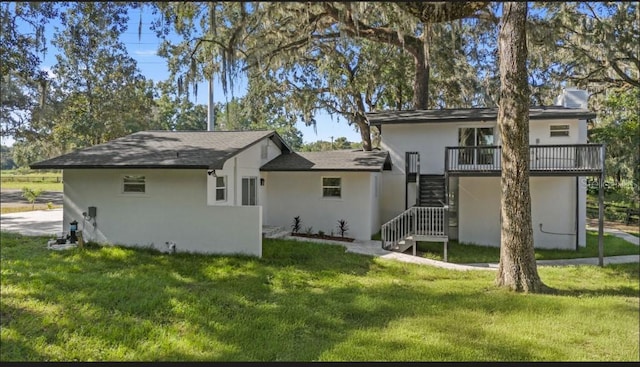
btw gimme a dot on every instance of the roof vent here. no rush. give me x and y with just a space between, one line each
572 98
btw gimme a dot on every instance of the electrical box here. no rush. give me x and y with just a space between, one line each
92 211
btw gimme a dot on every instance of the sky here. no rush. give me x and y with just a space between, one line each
143 50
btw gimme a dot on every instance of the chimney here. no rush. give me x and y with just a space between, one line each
572 98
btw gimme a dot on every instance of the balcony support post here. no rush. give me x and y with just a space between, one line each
601 210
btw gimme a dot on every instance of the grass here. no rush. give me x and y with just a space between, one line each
30 172
465 253
300 302
44 186
34 179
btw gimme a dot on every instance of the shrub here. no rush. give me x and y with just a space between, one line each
297 225
31 195
343 227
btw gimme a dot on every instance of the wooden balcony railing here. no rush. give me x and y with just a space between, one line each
543 159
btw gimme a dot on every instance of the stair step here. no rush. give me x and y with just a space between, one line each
432 190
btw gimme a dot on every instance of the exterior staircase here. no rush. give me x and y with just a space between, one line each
431 191
416 224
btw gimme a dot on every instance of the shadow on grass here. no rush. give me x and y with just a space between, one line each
300 302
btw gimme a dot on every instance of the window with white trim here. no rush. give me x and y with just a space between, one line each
221 188
558 130
133 184
331 187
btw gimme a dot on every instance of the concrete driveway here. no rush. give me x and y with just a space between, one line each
33 223
13 197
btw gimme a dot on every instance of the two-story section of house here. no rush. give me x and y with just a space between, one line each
450 159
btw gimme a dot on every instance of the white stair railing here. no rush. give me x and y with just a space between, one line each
430 221
417 220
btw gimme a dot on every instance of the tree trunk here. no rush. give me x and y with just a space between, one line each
365 133
421 81
517 270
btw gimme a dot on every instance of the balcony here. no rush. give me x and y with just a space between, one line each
544 160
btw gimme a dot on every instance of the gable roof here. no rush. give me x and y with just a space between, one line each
164 149
333 160
471 114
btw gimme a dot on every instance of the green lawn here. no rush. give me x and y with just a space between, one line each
34 179
464 253
44 186
300 302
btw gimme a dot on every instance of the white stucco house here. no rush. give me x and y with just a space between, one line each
212 192
434 177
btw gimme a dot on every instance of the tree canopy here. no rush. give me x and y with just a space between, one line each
296 59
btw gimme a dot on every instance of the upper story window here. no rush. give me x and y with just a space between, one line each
221 188
558 130
331 187
264 149
134 184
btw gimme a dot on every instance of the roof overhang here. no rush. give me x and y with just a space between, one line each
471 114
184 156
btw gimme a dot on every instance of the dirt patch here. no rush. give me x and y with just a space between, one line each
615 225
323 237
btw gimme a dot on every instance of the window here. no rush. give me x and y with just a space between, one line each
331 187
558 130
475 137
221 188
249 191
264 149
133 184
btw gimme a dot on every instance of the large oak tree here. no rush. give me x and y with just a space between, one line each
517 269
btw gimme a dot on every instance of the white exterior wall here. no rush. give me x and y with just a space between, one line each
553 202
431 139
245 164
174 208
300 194
479 210
539 132
391 195
375 190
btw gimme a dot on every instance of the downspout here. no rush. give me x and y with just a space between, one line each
601 210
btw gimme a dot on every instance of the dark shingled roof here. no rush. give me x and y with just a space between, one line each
333 160
164 149
471 114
